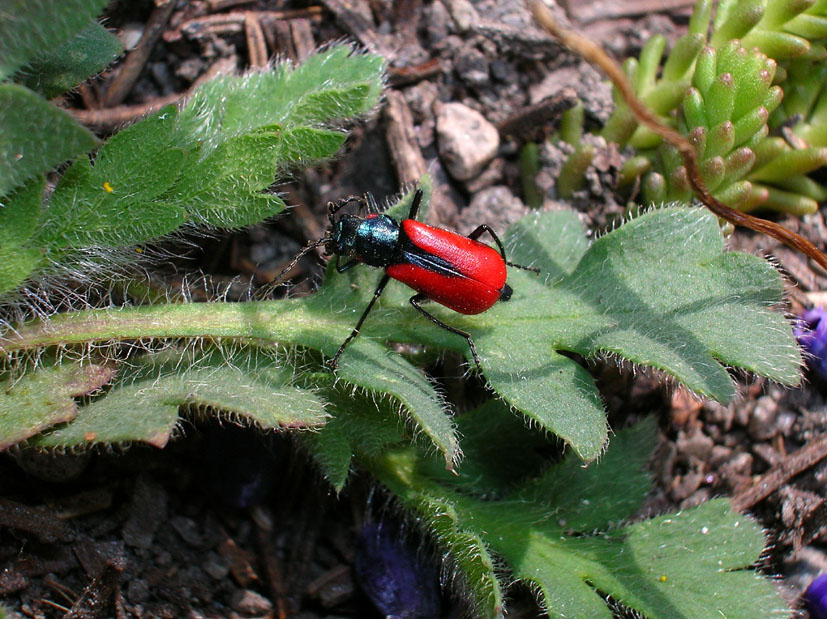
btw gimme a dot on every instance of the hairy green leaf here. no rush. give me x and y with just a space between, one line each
84 55
143 403
18 222
563 533
32 27
35 136
45 397
212 161
608 305
659 291
358 424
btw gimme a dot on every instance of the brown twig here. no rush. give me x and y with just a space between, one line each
135 61
585 12
109 118
200 26
402 76
772 480
595 55
256 45
405 153
534 121
358 27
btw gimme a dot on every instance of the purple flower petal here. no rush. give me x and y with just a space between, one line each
816 597
811 333
394 575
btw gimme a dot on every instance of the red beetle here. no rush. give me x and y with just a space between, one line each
456 271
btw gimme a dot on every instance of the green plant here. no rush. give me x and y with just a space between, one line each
126 374
46 48
595 301
721 96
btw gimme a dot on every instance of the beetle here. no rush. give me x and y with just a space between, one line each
456 271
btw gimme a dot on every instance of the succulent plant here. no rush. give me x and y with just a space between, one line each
721 94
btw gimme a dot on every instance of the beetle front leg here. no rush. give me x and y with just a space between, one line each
334 363
418 298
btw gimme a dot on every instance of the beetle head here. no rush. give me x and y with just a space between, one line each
343 235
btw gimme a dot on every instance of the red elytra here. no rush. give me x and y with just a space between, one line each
476 278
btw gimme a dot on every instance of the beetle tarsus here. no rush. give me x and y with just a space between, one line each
419 298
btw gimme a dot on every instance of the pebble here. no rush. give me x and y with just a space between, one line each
696 444
495 206
472 66
250 603
761 425
739 465
464 14
467 141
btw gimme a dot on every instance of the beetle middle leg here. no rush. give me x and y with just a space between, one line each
419 298
376 294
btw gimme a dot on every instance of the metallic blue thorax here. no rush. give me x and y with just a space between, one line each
372 240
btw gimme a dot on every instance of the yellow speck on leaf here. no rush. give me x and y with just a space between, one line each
107 187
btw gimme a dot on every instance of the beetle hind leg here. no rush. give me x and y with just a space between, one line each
419 298
482 229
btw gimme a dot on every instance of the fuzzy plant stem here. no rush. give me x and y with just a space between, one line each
254 320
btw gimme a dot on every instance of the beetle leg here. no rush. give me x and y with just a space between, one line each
341 268
382 283
482 229
335 207
418 298
417 200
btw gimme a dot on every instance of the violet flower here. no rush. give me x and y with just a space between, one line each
394 575
816 597
811 333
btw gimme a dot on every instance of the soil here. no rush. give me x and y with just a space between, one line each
187 531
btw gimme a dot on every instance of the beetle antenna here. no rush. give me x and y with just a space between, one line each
265 290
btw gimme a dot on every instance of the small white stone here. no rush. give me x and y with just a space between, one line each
467 142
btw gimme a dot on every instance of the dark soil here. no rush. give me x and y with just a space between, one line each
226 523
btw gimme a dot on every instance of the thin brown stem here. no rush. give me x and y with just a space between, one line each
595 55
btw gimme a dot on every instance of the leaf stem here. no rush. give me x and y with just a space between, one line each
268 320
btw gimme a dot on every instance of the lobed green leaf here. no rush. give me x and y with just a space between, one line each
563 534
143 404
35 136
44 397
597 301
57 70
32 27
209 163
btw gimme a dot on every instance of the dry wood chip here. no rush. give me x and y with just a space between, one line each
585 12
136 59
39 521
806 457
401 136
256 45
